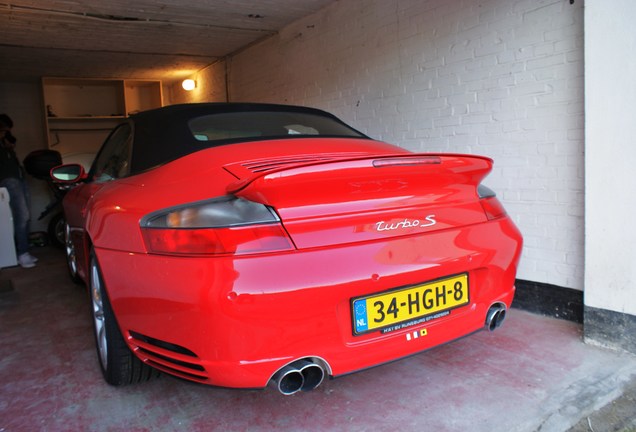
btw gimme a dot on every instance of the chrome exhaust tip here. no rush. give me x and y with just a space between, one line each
495 316
288 380
301 375
313 374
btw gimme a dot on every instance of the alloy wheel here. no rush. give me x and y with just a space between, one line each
71 257
98 315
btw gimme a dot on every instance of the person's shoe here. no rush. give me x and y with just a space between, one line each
34 259
26 261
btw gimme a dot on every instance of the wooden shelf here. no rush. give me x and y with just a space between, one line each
63 119
80 112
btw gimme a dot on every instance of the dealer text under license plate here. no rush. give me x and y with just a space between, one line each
404 307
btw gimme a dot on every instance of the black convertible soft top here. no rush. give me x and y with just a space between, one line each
164 134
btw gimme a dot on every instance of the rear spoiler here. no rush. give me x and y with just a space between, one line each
247 172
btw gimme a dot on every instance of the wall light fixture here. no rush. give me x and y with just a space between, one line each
189 84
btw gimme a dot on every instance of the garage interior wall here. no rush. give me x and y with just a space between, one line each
610 248
497 78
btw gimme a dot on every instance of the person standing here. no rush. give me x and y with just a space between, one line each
12 178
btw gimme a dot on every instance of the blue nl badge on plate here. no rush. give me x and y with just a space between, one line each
360 311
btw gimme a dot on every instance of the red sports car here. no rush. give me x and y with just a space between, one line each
238 245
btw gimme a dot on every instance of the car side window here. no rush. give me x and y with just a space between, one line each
113 161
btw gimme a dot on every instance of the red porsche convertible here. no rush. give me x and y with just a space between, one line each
238 245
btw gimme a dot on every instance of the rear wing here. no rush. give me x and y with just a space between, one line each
248 172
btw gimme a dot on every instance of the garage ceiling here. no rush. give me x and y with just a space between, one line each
151 39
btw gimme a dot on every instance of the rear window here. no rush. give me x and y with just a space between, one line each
165 134
255 125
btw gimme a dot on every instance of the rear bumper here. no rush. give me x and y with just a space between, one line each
234 321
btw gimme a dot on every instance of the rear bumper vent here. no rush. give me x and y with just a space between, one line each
161 344
168 357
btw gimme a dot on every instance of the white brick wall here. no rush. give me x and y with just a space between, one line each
495 77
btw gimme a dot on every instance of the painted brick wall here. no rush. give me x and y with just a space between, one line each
499 78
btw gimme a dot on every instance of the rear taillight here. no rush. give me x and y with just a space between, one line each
493 208
489 202
226 226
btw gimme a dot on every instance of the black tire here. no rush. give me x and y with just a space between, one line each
56 230
118 364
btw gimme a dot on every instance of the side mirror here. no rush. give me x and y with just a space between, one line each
70 173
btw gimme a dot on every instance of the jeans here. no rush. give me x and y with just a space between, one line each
19 201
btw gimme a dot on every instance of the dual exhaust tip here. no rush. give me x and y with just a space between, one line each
306 374
495 316
301 375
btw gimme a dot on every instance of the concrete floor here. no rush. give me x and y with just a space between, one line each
532 374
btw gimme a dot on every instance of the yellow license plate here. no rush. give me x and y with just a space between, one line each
408 306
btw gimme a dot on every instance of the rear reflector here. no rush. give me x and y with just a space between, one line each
217 241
